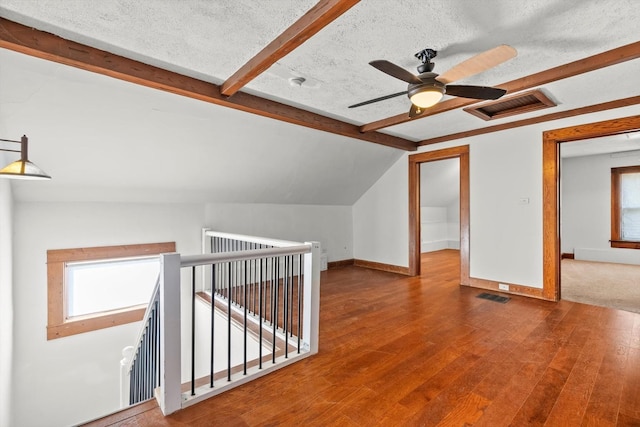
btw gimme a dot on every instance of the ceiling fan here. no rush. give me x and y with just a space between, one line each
427 88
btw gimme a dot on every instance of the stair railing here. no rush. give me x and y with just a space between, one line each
271 286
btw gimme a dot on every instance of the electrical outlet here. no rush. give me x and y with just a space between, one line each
503 287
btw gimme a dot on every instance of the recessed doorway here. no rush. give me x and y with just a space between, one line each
551 191
415 160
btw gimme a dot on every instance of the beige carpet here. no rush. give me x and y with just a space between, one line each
601 283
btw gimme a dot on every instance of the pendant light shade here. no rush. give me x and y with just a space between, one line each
23 168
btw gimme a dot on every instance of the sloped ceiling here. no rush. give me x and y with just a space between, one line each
106 139
102 139
440 183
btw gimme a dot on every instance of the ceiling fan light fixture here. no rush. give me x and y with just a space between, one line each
426 96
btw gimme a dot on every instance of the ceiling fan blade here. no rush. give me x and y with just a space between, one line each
382 98
479 63
395 71
475 92
415 111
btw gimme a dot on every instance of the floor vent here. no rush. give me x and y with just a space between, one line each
520 103
493 297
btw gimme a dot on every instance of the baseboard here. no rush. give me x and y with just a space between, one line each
381 266
120 415
567 256
523 290
339 264
615 255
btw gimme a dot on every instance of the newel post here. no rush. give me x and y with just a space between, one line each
168 394
311 307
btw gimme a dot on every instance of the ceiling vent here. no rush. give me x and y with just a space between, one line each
521 103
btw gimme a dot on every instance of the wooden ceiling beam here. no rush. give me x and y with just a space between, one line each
29 41
591 63
318 17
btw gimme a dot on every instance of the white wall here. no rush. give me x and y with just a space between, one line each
437 230
75 378
329 225
505 236
586 208
453 224
381 218
6 301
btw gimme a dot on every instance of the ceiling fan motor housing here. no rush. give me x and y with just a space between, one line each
425 56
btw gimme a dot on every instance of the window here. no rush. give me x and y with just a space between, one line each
625 207
100 287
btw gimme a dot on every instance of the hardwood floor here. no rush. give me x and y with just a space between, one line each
398 351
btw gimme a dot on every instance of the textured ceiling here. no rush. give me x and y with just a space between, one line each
210 40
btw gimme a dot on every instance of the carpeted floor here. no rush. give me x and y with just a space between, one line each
601 283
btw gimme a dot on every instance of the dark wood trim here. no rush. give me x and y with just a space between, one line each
550 193
585 65
566 255
619 103
465 218
58 325
318 17
625 244
615 207
29 41
339 264
616 227
381 266
461 152
550 224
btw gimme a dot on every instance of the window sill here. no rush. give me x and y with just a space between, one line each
626 244
88 324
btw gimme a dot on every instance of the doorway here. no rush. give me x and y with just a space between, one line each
591 271
551 192
415 160
440 205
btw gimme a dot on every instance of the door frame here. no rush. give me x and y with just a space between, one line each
551 141
415 160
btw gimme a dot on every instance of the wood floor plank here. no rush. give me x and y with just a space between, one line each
635 334
403 351
543 397
630 397
604 402
572 402
467 411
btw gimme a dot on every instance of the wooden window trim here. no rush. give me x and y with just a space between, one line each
616 231
57 326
